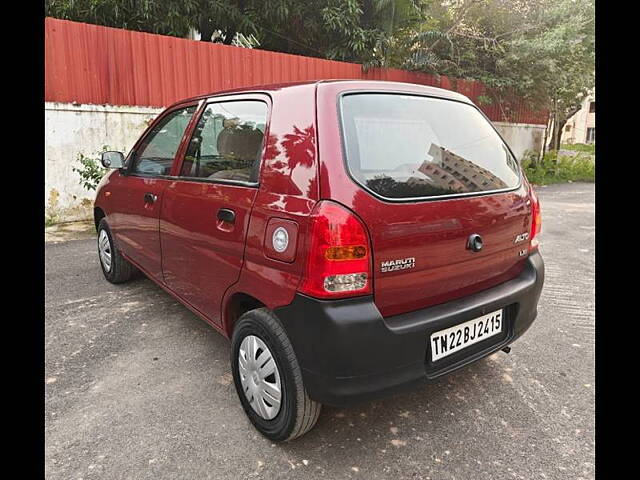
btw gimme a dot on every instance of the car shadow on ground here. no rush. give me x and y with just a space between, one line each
412 414
422 413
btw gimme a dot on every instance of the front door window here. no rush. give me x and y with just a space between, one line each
156 153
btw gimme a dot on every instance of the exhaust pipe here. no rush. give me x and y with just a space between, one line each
506 349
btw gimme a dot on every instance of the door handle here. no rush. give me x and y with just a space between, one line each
150 197
226 215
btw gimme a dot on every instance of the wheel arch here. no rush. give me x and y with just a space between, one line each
235 306
98 214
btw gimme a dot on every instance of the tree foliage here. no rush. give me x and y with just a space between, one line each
90 170
542 51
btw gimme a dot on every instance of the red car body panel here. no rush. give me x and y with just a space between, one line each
288 190
201 255
134 221
434 232
181 245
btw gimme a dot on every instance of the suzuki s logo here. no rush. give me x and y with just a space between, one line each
400 264
521 238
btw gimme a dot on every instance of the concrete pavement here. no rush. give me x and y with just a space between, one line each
138 387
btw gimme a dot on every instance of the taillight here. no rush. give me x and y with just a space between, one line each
536 220
339 260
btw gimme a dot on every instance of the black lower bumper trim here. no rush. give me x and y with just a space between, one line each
348 352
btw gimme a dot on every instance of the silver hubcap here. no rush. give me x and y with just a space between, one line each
104 247
259 377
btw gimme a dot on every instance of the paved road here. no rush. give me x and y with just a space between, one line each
138 387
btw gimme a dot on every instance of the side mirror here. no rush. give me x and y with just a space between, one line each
112 159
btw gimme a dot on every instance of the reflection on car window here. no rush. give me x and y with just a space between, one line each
227 142
403 146
155 155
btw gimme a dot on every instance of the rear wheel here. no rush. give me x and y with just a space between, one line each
114 267
268 379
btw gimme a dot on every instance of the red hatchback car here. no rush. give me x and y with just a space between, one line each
349 237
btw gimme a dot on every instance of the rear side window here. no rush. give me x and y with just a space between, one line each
227 142
404 146
156 153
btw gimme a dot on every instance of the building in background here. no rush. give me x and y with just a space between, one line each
581 128
453 172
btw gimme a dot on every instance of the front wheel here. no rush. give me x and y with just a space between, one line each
268 379
114 267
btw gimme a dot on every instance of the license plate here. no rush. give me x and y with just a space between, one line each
453 339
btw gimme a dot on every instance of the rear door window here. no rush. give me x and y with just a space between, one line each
227 142
408 146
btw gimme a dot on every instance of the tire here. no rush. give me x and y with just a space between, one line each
119 270
297 413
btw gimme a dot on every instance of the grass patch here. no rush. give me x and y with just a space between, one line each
563 169
580 147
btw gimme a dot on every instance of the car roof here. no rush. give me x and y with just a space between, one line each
348 84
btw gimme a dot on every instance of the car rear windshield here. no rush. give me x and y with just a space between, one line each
409 146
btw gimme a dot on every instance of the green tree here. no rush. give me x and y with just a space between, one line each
324 28
558 61
169 17
337 29
542 51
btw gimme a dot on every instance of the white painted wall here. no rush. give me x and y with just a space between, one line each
73 129
522 137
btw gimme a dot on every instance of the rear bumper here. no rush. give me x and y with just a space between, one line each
348 352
